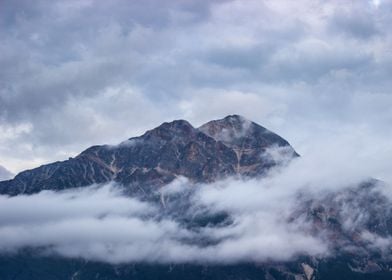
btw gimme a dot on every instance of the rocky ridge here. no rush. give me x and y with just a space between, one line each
218 149
223 148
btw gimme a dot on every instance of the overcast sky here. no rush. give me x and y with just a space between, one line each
78 73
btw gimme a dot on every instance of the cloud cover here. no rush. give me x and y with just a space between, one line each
5 174
226 222
78 73
101 224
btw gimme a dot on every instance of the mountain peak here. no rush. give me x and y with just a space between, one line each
233 120
237 131
232 146
234 117
169 130
177 124
227 129
231 130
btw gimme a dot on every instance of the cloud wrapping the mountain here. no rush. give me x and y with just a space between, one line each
266 223
100 224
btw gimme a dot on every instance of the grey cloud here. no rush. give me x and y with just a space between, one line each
312 60
358 20
5 174
100 223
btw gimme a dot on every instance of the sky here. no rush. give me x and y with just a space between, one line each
80 73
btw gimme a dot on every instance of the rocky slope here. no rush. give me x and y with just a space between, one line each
349 220
226 147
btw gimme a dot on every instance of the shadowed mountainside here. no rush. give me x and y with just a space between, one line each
218 149
229 147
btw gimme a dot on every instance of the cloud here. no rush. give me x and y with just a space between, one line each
274 62
101 224
229 221
5 174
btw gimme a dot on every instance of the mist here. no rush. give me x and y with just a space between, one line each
264 219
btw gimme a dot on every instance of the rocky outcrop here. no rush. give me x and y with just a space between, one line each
221 148
354 222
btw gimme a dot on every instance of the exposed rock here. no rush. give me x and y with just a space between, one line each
221 148
354 221
308 270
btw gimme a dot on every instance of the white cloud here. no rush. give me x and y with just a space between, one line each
266 216
5 174
101 224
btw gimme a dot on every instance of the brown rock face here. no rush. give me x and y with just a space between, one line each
250 143
220 148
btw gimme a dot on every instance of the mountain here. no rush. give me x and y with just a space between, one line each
5 174
218 149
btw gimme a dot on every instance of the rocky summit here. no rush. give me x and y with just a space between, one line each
350 221
220 148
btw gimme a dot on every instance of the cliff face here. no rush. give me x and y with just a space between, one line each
221 148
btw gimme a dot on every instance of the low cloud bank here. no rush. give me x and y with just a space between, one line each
100 223
229 221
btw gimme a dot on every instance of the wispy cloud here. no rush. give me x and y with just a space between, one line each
230 221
